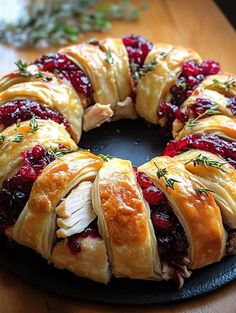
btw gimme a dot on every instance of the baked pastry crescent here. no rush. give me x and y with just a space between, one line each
224 84
200 100
53 94
198 213
218 176
124 222
25 137
36 226
154 87
100 72
220 125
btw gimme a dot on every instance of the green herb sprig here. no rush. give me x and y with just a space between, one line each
162 172
17 139
105 158
59 152
49 23
203 191
225 85
109 57
206 161
137 73
22 68
193 121
2 137
34 124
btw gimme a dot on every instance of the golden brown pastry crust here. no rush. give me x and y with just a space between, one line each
120 65
124 222
55 182
91 262
53 94
198 213
155 86
221 180
93 62
49 134
223 83
219 102
219 125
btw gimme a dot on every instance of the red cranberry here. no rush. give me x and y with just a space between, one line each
74 241
161 221
61 64
143 180
24 110
210 67
190 68
153 195
137 48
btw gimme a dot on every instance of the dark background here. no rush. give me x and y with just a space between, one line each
229 9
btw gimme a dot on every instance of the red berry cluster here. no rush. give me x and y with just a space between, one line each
15 191
59 63
137 48
191 76
210 143
24 110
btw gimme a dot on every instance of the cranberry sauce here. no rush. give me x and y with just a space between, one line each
137 48
25 109
191 76
59 63
210 143
171 238
74 241
15 191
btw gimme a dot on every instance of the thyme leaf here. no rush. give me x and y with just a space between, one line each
109 57
105 158
137 73
203 191
18 138
1 139
206 161
22 68
162 172
34 124
226 85
193 121
59 152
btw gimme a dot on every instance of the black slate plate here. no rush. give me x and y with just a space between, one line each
138 142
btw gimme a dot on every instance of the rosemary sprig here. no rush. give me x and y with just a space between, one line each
109 57
34 124
105 158
203 191
22 68
225 85
162 172
59 152
206 161
137 73
46 23
193 121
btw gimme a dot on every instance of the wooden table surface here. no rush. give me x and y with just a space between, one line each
196 24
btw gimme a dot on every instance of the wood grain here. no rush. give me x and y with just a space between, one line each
196 24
